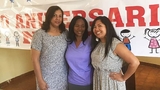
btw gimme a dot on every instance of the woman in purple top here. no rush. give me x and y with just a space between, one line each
78 55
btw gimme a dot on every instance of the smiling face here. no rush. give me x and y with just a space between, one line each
56 19
79 28
100 30
154 33
126 34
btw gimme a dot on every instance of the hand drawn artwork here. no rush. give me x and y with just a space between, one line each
7 35
17 36
153 34
0 37
12 1
126 34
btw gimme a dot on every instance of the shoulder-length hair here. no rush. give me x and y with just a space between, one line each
71 35
111 33
49 15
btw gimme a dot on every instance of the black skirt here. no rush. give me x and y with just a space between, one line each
78 87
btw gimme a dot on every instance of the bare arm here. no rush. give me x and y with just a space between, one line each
123 52
37 69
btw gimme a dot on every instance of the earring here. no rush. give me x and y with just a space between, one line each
97 39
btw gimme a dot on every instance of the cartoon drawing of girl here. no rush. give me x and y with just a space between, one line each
0 37
153 42
7 34
17 36
12 1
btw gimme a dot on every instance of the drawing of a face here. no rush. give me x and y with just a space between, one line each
7 34
153 32
16 33
126 34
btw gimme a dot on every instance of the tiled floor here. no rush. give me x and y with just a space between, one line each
24 82
147 78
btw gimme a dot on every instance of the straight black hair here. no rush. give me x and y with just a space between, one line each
111 33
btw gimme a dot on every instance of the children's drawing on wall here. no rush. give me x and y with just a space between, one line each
12 1
0 37
7 35
153 35
126 37
17 37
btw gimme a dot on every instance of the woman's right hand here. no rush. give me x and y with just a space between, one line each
43 85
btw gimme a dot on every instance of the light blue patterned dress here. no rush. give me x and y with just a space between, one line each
104 65
52 62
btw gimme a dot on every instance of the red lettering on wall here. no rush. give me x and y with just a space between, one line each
67 14
93 12
27 37
19 21
79 12
154 15
139 16
4 20
40 19
30 20
117 19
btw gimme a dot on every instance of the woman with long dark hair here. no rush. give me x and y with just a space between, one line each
108 55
